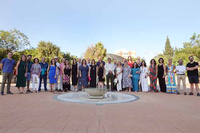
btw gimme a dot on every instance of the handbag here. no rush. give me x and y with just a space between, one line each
115 81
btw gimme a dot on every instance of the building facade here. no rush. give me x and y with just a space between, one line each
125 53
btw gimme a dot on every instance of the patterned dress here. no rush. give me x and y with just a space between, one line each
127 82
66 78
153 78
170 80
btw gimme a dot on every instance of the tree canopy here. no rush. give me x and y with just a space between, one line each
13 40
94 52
191 48
48 50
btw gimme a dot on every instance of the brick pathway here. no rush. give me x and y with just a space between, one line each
153 113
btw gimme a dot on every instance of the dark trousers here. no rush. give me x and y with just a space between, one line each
44 77
8 77
162 84
111 78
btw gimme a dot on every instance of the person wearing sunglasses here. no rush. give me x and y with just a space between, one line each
7 65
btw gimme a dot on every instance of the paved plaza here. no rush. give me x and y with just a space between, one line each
152 113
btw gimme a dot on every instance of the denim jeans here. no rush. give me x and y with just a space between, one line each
44 77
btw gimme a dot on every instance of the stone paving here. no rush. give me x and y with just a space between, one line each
152 113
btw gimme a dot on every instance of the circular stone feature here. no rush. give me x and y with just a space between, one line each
83 97
97 93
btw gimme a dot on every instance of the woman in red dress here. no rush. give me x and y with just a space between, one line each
130 62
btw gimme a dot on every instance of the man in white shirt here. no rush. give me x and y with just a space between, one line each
109 67
180 71
57 74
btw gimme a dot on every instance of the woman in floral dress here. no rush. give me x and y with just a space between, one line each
66 76
127 82
153 76
170 78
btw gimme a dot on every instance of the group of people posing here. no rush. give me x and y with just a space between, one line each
81 74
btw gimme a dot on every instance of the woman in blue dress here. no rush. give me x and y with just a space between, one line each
170 78
135 76
52 74
84 69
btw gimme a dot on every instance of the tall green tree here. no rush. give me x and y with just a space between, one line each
48 50
191 48
93 52
168 51
13 40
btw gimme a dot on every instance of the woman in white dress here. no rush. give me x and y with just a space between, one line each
143 76
119 76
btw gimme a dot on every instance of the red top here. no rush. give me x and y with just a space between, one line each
130 64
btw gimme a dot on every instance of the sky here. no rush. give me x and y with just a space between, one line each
73 25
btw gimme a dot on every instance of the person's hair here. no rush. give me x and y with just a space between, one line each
161 59
151 62
92 61
54 62
144 63
10 52
170 60
109 58
29 55
180 60
136 64
83 61
130 58
74 61
190 57
36 59
22 57
119 63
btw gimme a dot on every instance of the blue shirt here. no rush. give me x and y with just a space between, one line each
8 65
44 67
98 63
29 65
